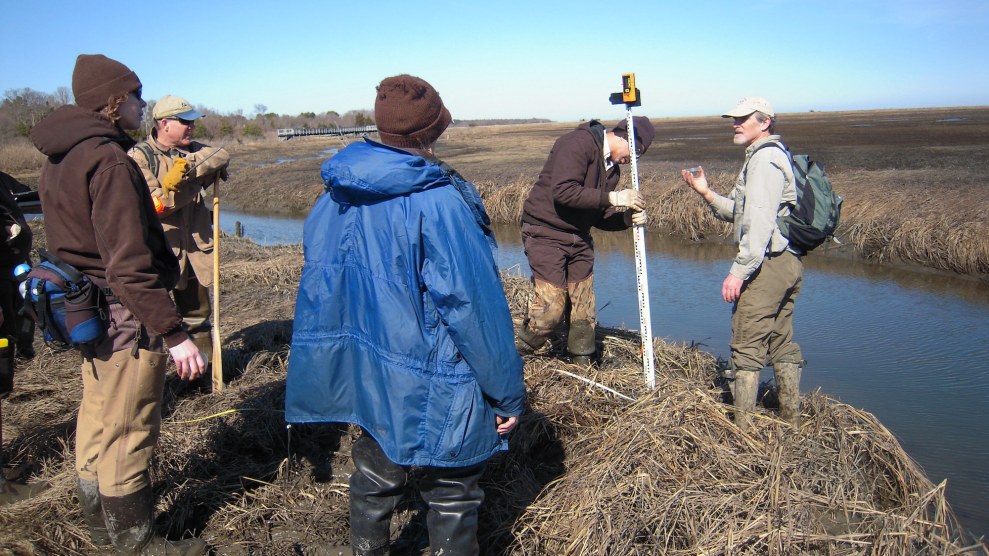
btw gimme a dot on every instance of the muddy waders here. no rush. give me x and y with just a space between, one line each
92 511
788 383
129 522
744 389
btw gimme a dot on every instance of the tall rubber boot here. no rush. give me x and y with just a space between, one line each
580 342
92 511
744 392
788 383
129 522
528 341
453 496
376 487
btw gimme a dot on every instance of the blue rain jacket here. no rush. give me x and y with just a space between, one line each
401 323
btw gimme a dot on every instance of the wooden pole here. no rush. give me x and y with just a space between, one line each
215 331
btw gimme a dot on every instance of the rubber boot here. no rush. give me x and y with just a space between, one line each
788 383
580 343
528 341
376 487
129 522
744 391
453 496
92 511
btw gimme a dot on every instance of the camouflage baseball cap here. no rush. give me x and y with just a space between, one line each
171 106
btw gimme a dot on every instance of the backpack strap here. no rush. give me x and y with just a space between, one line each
69 272
149 154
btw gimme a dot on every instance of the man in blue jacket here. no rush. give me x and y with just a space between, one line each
402 327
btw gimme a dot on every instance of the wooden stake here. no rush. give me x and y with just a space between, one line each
215 332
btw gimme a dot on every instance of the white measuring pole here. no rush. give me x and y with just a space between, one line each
641 271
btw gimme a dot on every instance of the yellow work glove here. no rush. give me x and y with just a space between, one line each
175 175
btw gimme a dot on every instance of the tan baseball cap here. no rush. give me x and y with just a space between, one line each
171 106
747 106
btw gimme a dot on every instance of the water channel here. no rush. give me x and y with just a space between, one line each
907 345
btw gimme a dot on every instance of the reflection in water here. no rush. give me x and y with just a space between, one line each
911 347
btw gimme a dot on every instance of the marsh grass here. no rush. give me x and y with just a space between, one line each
589 472
913 181
19 155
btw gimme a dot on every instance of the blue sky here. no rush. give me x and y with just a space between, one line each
519 59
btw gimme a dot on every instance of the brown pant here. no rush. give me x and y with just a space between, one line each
194 305
762 319
562 269
119 419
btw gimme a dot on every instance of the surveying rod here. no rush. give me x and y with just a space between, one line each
630 97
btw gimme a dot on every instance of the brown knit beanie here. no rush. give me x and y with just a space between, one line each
96 78
409 112
644 132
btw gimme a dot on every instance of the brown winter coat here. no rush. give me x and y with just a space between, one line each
99 216
571 194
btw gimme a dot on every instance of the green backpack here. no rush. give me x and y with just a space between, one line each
815 216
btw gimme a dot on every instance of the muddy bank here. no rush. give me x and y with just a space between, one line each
589 471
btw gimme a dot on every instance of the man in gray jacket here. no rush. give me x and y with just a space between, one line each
766 274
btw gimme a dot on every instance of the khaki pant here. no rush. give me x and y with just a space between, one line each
762 319
119 419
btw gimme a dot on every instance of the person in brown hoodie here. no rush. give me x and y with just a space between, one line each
99 218
574 193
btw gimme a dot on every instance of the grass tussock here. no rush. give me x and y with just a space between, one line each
598 465
19 155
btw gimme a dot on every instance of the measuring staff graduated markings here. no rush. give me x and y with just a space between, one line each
630 97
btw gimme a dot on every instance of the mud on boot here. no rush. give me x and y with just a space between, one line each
527 341
788 384
580 343
92 511
744 390
130 525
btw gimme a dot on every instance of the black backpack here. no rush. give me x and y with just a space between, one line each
816 214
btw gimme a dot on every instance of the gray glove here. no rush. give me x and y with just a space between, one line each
627 198
636 217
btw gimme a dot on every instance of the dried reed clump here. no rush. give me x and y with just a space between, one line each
669 473
19 154
598 465
676 209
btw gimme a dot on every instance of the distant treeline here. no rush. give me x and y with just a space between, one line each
21 109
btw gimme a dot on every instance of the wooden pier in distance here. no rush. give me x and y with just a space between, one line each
287 133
